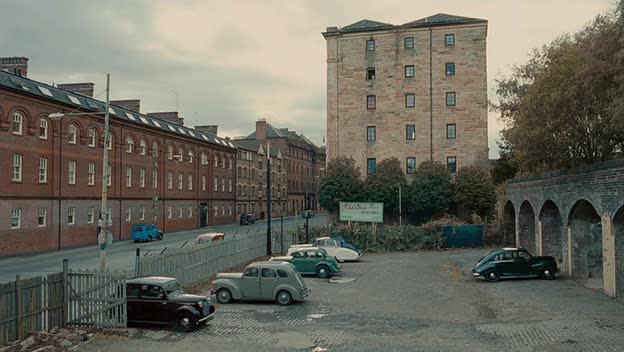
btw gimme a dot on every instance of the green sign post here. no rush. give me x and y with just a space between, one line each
361 212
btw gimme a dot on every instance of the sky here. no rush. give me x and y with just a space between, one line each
230 62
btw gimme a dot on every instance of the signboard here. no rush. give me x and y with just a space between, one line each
362 212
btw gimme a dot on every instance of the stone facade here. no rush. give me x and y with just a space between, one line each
577 218
348 86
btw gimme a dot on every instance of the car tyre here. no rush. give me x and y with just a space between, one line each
160 236
547 273
492 276
283 298
186 322
224 296
322 271
149 239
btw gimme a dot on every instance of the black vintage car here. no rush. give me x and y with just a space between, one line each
160 300
247 219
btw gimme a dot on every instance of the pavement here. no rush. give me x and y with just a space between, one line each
120 255
419 301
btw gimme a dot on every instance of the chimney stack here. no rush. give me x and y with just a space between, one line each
170 116
16 65
130 104
261 129
212 129
85 88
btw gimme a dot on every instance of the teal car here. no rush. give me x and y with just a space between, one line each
514 262
311 261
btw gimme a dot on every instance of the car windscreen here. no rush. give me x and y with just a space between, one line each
485 257
173 287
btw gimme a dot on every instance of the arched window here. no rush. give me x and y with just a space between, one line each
216 161
190 156
91 137
72 134
142 147
180 153
204 159
170 152
43 129
129 145
230 163
18 123
223 162
110 141
155 149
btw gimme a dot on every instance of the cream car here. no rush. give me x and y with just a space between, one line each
332 247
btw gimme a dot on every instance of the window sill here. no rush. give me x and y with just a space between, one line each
16 181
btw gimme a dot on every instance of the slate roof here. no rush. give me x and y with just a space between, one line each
83 103
291 137
440 19
253 145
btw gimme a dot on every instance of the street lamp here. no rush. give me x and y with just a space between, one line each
102 235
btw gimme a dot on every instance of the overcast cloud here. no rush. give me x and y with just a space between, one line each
232 61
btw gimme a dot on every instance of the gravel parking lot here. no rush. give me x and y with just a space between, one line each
423 301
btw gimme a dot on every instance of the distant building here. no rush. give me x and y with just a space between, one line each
416 91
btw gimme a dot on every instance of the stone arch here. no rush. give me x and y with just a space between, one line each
551 230
618 231
509 223
526 227
585 231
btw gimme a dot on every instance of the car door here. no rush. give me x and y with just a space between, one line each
134 305
330 247
506 264
153 303
523 263
250 283
299 261
310 261
268 283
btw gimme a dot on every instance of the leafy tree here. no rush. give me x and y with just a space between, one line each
431 190
564 107
383 184
341 183
475 190
503 168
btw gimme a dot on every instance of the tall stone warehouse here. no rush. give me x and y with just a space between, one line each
414 91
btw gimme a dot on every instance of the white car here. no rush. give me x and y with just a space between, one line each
332 247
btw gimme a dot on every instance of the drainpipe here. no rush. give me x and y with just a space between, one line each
430 94
60 181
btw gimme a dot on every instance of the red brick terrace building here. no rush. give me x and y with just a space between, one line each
51 170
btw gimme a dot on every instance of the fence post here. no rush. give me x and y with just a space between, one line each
18 307
65 292
137 263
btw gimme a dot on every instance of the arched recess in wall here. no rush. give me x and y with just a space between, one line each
618 227
586 231
526 227
509 224
552 238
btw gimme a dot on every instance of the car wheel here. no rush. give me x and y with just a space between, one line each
160 236
322 271
186 322
547 273
224 296
149 238
492 276
283 298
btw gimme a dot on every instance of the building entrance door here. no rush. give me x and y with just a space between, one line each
203 215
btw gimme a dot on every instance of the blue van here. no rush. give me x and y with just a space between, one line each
146 232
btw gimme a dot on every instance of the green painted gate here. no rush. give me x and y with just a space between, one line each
463 235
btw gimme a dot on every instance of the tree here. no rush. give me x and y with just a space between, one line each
341 183
431 190
382 185
561 107
503 168
475 190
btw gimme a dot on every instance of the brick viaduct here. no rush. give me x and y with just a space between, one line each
578 218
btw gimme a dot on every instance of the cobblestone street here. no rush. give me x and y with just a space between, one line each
423 301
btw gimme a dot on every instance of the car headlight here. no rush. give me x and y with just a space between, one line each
200 304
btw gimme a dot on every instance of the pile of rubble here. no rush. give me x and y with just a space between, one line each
57 340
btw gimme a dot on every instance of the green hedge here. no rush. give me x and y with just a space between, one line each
387 238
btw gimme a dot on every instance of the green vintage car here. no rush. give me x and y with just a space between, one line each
516 262
312 261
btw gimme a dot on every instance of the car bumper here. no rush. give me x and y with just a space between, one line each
303 294
475 274
207 318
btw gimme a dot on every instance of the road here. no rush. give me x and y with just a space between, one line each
120 255
418 301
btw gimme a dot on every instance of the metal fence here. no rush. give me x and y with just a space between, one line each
193 263
72 297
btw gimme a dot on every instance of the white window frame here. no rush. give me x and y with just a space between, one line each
155 180
91 175
43 126
222 185
203 183
16 213
128 177
216 184
170 152
71 172
169 212
17 168
142 213
170 180
142 147
72 134
190 182
129 145
180 181
229 185
190 211
216 210
42 214
91 137
43 170
129 213
18 120
142 178
90 215
180 211
190 156
71 215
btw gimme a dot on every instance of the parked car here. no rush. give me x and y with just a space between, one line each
262 281
344 244
160 300
145 232
210 237
333 248
312 260
247 219
517 262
